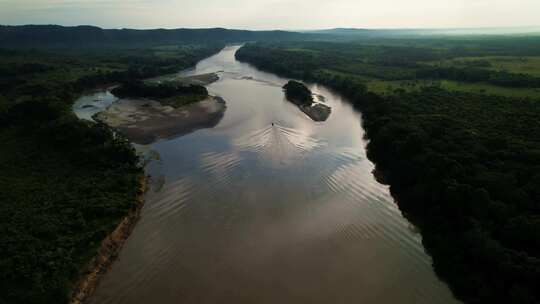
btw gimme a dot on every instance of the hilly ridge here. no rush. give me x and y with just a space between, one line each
56 36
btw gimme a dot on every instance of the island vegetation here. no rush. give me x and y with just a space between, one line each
66 183
168 93
298 93
453 128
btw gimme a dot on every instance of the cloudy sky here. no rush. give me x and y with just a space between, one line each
273 14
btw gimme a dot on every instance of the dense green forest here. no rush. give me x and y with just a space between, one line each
463 164
65 183
484 65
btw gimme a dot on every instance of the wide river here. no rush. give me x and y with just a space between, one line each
250 212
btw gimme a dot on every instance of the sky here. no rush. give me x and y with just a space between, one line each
274 14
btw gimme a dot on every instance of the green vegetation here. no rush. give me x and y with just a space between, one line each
463 166
476 63
389 87
61 193
65 183
169 93
298 93
514 64
484 88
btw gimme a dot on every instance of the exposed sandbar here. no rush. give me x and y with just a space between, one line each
145 121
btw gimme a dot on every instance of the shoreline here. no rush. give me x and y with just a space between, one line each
108 251
110 247
144 121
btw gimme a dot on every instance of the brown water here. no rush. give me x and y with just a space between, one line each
247 212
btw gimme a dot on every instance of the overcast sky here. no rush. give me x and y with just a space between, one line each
273 14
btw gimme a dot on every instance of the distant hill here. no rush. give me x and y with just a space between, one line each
55 36
382 33
342 31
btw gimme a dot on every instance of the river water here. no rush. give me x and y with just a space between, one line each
250 212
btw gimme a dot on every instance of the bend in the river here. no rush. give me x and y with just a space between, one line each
250 212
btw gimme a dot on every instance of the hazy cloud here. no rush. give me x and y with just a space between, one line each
272 14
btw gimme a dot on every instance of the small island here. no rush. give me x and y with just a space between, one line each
167 93
301 96
148 111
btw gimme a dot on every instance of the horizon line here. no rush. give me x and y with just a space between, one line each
536 27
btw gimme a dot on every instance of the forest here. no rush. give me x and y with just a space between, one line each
386 65
463 164
65 183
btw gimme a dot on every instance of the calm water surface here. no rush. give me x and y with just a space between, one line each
247 212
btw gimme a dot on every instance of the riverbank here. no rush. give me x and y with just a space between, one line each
66 182
461 166
109 249
143 121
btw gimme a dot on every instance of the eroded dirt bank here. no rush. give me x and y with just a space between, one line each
108 250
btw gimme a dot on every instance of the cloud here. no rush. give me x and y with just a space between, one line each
273 14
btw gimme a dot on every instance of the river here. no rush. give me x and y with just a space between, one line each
250 212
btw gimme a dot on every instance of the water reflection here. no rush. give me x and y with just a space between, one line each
250 212
88 105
